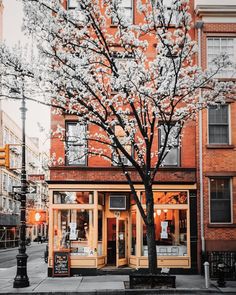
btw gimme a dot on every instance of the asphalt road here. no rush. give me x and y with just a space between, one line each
8 256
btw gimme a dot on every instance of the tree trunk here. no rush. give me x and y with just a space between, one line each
151 237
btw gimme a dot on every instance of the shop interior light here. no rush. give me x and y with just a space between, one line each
158 212
165 210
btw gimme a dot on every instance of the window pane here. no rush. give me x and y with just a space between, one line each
76 144
170 231
218 125
73 230
164 197
220 200
220 211
133 233
218 114
216 46
172 158
73 198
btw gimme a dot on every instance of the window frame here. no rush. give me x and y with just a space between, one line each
177 146
219 124
67 123
230 201
229 70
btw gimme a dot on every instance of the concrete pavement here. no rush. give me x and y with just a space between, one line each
106 284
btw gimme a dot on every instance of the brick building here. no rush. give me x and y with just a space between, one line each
84 192
216 22
91 210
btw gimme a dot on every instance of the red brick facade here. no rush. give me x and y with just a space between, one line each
219 161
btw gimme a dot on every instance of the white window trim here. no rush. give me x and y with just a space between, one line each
229 128
231 200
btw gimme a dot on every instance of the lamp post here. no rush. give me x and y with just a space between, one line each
21 279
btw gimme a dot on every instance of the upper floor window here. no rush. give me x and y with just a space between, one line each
217 46
220 200
218 124
5 182
127 6
76 144
72 4
120 134
172 158
170 15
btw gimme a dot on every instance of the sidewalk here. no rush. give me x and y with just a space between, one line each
109 284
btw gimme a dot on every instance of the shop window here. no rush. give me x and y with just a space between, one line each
172 149
220 200
73 198
76 144
73 230
128 14
167 197
218 124
133 233
221 45
170 232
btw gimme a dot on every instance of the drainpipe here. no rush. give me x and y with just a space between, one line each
199 26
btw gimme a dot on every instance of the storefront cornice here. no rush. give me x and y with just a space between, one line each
112 168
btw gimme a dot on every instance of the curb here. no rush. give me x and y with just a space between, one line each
127 292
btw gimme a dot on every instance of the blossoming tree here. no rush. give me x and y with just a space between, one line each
136 79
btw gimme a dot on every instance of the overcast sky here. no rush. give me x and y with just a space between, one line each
12 34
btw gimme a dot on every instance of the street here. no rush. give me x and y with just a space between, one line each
8 256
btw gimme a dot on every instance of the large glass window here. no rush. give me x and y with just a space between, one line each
218 124
170 231
217 46
76 144
172 150
73 230
73 198
220 200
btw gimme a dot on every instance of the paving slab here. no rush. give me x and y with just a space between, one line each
101 286
58 284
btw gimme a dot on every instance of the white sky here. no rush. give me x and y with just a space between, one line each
12 34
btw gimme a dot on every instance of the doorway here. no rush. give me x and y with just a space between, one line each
117 241
111 241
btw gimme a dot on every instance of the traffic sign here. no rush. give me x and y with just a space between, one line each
29 190
16 189
32 189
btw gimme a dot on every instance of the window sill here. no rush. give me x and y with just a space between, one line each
220 146
218 225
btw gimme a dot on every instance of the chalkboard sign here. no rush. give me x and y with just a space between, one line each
61 264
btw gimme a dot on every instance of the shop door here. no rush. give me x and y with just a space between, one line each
121 242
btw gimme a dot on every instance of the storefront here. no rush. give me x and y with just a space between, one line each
100 225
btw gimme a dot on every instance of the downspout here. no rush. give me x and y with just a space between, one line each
199 26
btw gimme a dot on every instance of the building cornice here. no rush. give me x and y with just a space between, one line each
215 10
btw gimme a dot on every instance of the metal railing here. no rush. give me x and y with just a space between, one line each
227 258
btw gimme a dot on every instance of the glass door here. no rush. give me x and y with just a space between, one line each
121 242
